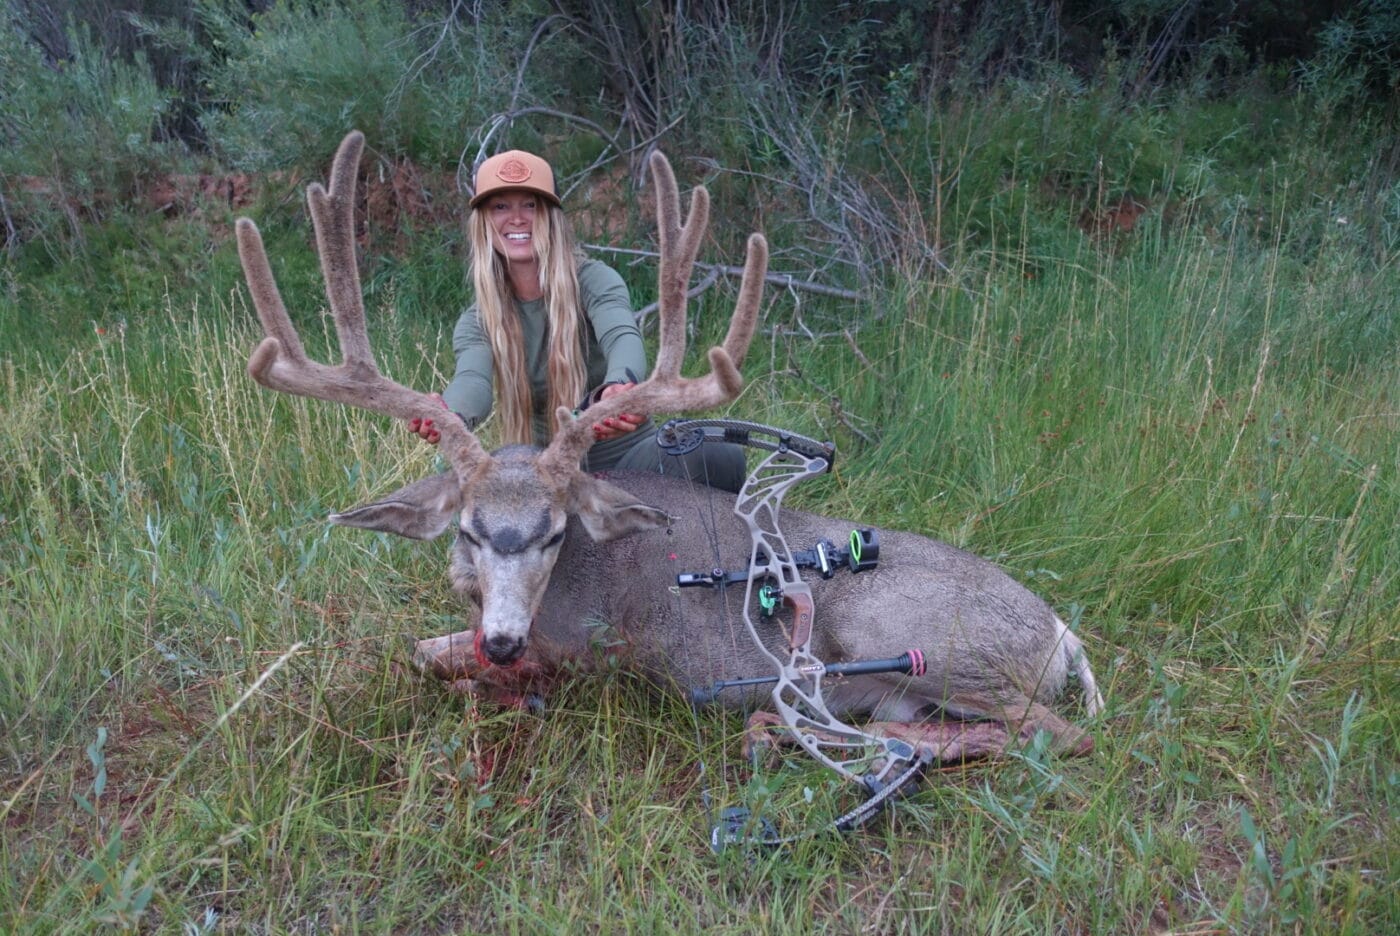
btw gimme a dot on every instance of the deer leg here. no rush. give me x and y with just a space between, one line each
497 695
456 660
503 696
948 742
1025 718
945 741
451 658
762 731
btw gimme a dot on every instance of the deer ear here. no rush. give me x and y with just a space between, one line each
608 512
421 510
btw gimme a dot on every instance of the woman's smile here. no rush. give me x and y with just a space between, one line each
512 218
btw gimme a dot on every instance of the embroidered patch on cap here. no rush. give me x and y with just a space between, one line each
513 171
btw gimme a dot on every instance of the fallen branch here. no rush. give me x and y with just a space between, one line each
640 316
715 270
11 233
855 348
426 57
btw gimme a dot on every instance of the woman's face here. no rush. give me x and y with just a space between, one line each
511 218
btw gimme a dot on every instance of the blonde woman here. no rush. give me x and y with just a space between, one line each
550 328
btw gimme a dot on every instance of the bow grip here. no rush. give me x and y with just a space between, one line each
799 598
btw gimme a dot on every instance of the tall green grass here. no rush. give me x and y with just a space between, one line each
1186 444
1184 436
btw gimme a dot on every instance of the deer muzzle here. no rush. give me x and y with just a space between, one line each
502 649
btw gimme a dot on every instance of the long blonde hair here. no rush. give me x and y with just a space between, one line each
496 305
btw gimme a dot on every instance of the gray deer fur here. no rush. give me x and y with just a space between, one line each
568 568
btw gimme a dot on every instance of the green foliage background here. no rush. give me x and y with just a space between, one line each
1182 430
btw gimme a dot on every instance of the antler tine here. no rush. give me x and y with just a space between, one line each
279 362
678 245
745 318
333 216
665 389
263 287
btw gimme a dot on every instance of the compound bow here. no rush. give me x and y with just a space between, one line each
881 765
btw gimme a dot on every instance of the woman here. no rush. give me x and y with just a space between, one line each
551 328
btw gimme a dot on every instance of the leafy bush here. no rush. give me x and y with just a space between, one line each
1358 55
289 87
77 136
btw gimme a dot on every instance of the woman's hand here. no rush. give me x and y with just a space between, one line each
619 425
425 428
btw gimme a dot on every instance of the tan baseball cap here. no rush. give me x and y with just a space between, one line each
514 169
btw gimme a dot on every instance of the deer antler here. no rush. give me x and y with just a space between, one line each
666 389
279 362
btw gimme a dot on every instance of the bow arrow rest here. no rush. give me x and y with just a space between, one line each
881 765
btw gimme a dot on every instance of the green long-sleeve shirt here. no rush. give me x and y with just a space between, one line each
614 347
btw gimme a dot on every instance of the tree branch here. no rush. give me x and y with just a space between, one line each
785 280
709 280
426 57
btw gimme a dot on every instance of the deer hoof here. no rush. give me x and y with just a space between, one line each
760 742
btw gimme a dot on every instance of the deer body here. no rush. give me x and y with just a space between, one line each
993 648
568 567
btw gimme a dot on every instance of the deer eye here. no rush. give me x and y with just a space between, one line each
554 540
464 535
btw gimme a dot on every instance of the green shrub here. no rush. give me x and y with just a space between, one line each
77 136
289 87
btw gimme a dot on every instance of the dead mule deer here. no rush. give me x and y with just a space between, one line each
551 554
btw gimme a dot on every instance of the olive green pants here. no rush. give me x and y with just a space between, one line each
720 465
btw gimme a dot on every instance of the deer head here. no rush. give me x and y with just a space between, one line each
511 505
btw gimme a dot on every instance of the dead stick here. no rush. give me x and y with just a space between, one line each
786 280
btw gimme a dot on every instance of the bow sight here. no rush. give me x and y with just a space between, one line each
826 557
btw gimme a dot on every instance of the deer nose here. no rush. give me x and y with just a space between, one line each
503 650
